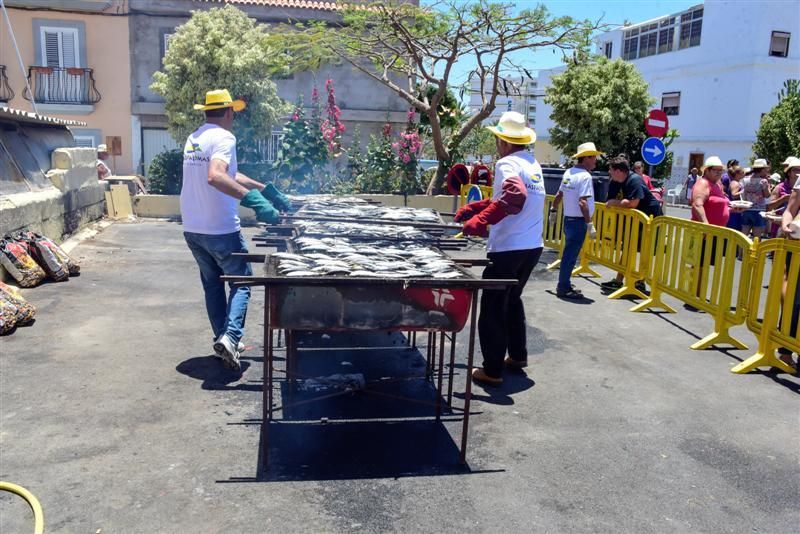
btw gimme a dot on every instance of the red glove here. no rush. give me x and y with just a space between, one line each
478 225
467 211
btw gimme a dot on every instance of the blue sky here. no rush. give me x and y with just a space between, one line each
612 11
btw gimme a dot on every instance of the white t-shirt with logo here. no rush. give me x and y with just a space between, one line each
523 230
204 209
576 184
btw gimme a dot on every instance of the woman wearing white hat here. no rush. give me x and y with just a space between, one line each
709 202
755 189
515 243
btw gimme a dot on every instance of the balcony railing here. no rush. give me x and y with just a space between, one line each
6 93
62 85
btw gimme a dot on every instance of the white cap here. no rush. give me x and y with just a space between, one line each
102 148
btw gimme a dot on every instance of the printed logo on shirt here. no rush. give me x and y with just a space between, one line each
536 178
194 154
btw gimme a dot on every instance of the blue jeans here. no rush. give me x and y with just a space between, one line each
574 234
213 254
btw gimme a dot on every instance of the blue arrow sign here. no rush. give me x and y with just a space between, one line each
474 194
653 151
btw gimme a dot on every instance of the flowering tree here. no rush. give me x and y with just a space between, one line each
407 148
409 48
303 151
332 127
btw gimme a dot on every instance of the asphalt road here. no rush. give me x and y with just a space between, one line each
115 414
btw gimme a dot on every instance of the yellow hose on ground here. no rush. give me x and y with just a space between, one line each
38 515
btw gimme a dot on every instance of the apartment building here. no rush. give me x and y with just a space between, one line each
714 68
75 66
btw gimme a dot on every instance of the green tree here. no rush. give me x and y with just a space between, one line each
380 165
479 142
778 135
601 101
409 49
222 48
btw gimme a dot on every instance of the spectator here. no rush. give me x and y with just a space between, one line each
709 203
755 189
726 176
688 184
735 174
627 190
783 190
658 192
789 224
103 171
516 213
577 193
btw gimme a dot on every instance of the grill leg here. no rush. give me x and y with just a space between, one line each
468 388
452 365
440 373
266 388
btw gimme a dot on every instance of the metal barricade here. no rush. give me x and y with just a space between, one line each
621 235
696 263
772 320
554 233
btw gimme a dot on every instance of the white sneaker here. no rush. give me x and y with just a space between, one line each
240 347
224 348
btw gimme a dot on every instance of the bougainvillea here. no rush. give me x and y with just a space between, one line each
332 127
407 148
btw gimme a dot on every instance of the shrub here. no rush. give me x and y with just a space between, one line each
165 174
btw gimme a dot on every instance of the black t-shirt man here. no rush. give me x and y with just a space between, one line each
632 188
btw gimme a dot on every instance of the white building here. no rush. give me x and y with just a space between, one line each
715 68
516 94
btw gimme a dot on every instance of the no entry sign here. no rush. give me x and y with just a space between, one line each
656 124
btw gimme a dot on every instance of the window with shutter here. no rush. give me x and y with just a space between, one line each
60 47
779 44
671 103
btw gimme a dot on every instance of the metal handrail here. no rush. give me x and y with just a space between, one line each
62 85
6 93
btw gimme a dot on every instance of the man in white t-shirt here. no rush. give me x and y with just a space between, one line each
577 193
210 196
516 213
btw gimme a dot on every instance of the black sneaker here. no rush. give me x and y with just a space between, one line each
611 284
641 286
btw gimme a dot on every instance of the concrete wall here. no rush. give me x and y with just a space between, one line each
726 83
75 199
106 51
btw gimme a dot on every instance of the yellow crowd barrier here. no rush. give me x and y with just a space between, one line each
621 235
486 192
696 263
770 319
553 233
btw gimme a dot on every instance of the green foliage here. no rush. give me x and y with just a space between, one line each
479 142
222 49
412 49
165 174
380 173
303 155
778 136
605 102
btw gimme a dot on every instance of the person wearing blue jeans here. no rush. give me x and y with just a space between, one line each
210 197
214 256
577 194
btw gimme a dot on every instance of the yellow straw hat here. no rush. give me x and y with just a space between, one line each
512 128
218 99
586 149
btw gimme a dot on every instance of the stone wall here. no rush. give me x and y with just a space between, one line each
75 199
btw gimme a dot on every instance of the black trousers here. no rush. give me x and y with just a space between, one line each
501 324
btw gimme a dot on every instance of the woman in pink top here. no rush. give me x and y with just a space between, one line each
709 202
